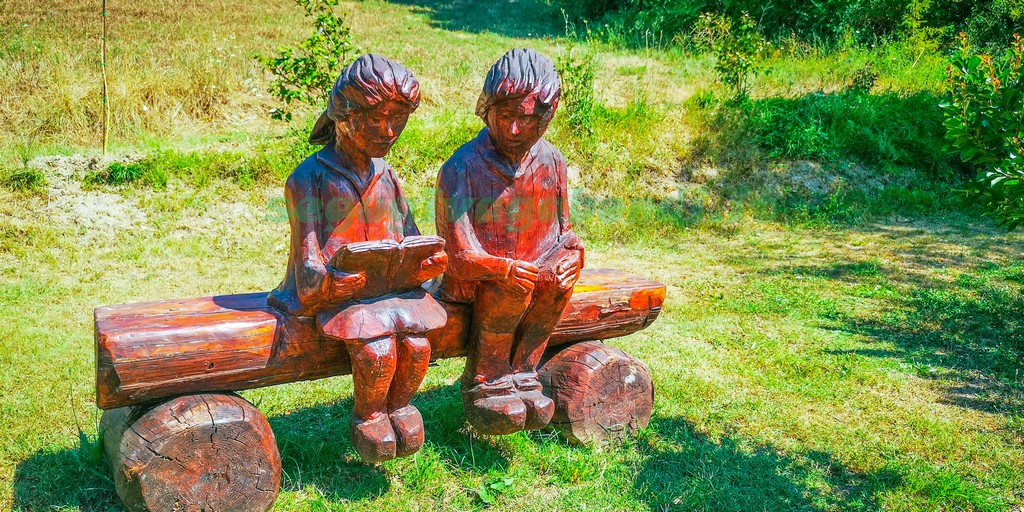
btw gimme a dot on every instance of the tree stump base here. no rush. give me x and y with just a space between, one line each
600 392
192 453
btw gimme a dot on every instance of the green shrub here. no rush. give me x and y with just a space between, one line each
306 73
985 123
737 47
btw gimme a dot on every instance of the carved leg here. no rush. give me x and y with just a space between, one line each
549 302
488 394
546 307
413 360
210 451
373 368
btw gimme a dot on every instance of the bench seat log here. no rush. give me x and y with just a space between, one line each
154 350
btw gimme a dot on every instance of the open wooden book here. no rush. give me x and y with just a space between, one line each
389 266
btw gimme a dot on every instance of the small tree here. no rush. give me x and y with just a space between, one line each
985 125
737 46
307 73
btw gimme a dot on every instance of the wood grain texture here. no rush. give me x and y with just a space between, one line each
154 350
600 392
197 452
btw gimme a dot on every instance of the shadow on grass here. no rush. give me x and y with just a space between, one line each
316 450
448 434
688 471
968 333
511 18
947 314
884 131
832 158
64 479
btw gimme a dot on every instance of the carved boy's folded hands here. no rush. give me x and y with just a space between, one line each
522 275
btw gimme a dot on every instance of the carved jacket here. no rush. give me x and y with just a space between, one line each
491 212
329 206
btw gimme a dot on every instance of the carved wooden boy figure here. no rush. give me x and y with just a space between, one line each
346 193
503 209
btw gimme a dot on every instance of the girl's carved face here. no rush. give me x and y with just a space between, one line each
373 131
517 124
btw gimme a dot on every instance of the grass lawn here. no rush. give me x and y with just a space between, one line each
797 366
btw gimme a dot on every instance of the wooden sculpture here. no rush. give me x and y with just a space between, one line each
516 303
356 261
503 207
154 359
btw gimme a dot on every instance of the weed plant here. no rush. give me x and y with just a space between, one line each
26 180
576 68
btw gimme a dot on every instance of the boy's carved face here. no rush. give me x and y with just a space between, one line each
373 131
517 124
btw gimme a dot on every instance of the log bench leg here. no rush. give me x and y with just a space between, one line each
600 392
209 452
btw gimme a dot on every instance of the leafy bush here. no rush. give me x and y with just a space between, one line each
737 47
985 125
306 73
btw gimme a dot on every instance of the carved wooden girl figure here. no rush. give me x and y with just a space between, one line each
503 208
346 193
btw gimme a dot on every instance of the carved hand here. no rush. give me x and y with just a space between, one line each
432 267
342 285
568 269
523 275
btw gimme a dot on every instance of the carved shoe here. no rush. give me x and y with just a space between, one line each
373 439
493 407
408 424
539 408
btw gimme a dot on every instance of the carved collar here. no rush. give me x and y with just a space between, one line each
499 163
330 158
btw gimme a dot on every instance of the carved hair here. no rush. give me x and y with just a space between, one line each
518 73
363 84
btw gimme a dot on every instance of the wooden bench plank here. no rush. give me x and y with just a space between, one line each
154 350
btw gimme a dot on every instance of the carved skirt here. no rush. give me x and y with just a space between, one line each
412 312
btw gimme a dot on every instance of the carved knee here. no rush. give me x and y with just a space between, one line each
378 352
417 346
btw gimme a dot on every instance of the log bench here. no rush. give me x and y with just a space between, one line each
178 438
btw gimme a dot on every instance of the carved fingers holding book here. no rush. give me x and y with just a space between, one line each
432 267
343 286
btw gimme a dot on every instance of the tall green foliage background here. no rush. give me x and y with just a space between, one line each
666 22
